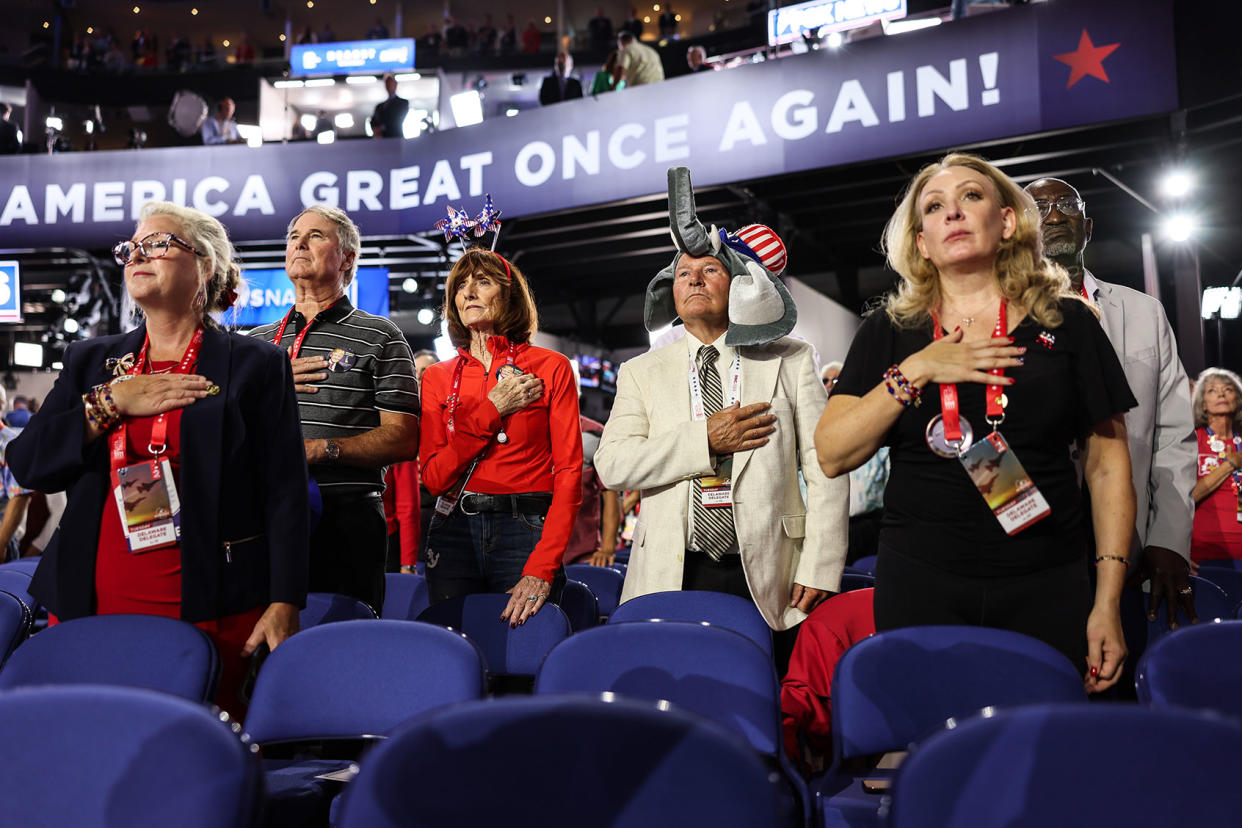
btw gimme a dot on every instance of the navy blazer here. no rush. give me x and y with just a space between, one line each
243 475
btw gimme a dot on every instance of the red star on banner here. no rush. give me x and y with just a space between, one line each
1087 60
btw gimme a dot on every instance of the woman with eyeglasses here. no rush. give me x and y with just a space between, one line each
180 447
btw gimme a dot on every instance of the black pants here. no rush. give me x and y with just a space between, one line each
348 548
702 573
1051 605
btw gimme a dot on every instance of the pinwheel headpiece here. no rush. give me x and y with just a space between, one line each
459 225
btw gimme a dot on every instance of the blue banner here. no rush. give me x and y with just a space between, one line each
10 292
267 295
1020 71
352 57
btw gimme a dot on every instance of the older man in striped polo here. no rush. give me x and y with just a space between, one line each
358 398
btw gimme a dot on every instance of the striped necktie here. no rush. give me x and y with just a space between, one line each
713 532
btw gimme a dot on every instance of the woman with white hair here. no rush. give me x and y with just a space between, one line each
1217 407
180 448
979 373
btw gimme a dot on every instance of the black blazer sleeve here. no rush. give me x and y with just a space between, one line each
549 93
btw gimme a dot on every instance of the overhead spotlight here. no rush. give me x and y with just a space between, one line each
835 40
194 12
547 20
409 284
58 297
90 29
308 121
426 316
282 37
137 9
1180 227
46 24
361 80
407 76
1227 301
225 44
344 120
71 325
315 82
53 122
1177 184
510 112
288 84
326 137
58 366
89 126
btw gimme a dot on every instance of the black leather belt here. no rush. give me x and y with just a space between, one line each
534 503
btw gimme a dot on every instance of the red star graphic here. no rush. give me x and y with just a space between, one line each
1087 60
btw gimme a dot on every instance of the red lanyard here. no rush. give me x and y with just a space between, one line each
454 397
297 342
159 429
995 393
1083 288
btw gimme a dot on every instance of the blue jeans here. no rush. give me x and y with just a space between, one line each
485 552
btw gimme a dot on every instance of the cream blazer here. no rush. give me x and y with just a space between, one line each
652 443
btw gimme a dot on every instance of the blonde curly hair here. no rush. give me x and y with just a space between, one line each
1027 280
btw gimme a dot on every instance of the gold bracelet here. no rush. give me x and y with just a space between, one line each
1117 558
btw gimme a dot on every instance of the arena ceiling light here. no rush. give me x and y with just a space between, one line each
1177 184
1180 227
344 120
308 122
407 76
313 82
28 354
361 80
409 284
1227 301
896 27
426 316
326 137
288 84
835 40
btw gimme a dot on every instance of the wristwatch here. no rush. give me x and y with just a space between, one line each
333 449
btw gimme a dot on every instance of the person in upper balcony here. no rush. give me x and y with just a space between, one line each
560 85
220 128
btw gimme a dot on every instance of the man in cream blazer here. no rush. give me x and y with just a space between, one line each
1161 430
791 553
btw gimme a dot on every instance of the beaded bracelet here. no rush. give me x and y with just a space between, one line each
894 381
101 409
1117 558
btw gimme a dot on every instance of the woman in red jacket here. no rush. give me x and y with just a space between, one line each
501 445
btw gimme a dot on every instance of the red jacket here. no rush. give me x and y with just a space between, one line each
543 452
401 507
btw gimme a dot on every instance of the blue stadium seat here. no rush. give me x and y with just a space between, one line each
15 621
27 565
864 564
1198 667
716 608
1073 764
95 756
711 671
146 651
624 764
580 605
350 680
328 607
851 581
604 581
508 651
1229 580
895 688
405 596
16 581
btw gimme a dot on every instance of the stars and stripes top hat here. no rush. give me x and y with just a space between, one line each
760 243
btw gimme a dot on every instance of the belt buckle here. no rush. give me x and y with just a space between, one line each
462 503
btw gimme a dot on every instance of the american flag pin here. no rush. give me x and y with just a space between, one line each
1046 339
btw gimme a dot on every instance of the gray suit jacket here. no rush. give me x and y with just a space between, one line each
1161 429
652 443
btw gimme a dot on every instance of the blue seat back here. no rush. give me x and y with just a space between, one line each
27 565
864 564
851 581
624 764
711 671
329 607
1229 580
95 756
15 624
715 608
17 582
1211 603
1221 563
580 605
405 596
1199 666
604 581
146 651
360 678
508 651
896 687
1073 764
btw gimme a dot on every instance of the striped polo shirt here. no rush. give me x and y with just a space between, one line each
371 369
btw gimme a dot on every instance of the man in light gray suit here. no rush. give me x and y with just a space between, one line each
714 428
1161 429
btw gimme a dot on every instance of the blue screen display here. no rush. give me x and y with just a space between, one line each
353 57
267 295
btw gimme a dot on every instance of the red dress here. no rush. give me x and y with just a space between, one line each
1217 533
150 583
